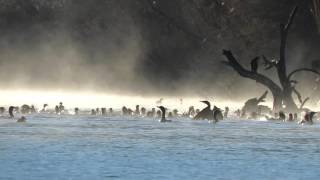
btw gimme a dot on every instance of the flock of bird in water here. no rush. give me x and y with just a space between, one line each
213 115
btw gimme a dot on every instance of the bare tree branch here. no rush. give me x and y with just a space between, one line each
301 70
293 13
298 95
284 29
250 74
263 97
304 102
281 94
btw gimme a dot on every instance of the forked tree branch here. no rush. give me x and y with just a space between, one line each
289 23
302 102
301 70
232 62
298 95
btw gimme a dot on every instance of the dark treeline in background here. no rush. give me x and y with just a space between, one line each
165 46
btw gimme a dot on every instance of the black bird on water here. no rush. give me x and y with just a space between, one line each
205 113
163 114
308 118
311 114
11 109
208 114
217 114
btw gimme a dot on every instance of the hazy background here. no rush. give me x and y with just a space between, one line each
127 47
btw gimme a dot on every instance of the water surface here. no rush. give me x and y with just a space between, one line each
93 147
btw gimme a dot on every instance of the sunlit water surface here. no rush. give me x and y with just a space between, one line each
69 147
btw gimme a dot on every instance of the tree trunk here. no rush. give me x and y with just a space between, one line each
284 102
277 102
290 105
318 23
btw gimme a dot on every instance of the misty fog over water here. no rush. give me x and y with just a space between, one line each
125 47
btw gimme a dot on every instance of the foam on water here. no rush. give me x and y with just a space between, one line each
93 147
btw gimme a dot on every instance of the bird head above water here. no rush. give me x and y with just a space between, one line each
163 114
216 108
206 102
163 109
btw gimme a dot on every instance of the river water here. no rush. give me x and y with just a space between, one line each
96 147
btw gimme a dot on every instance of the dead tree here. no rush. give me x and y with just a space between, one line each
283 92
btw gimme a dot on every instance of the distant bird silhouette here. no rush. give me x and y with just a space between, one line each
205 113
44 109
282 116
308 118
111 111
269 64
143 111
57 110
226 112
137 111
181 101
217 114
191 111
311 114
61 107
2 110
11 109
93 112
124 111
130 112
25 109
103 111
158 114
76 111
254 64
163 114
159 101
33 109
